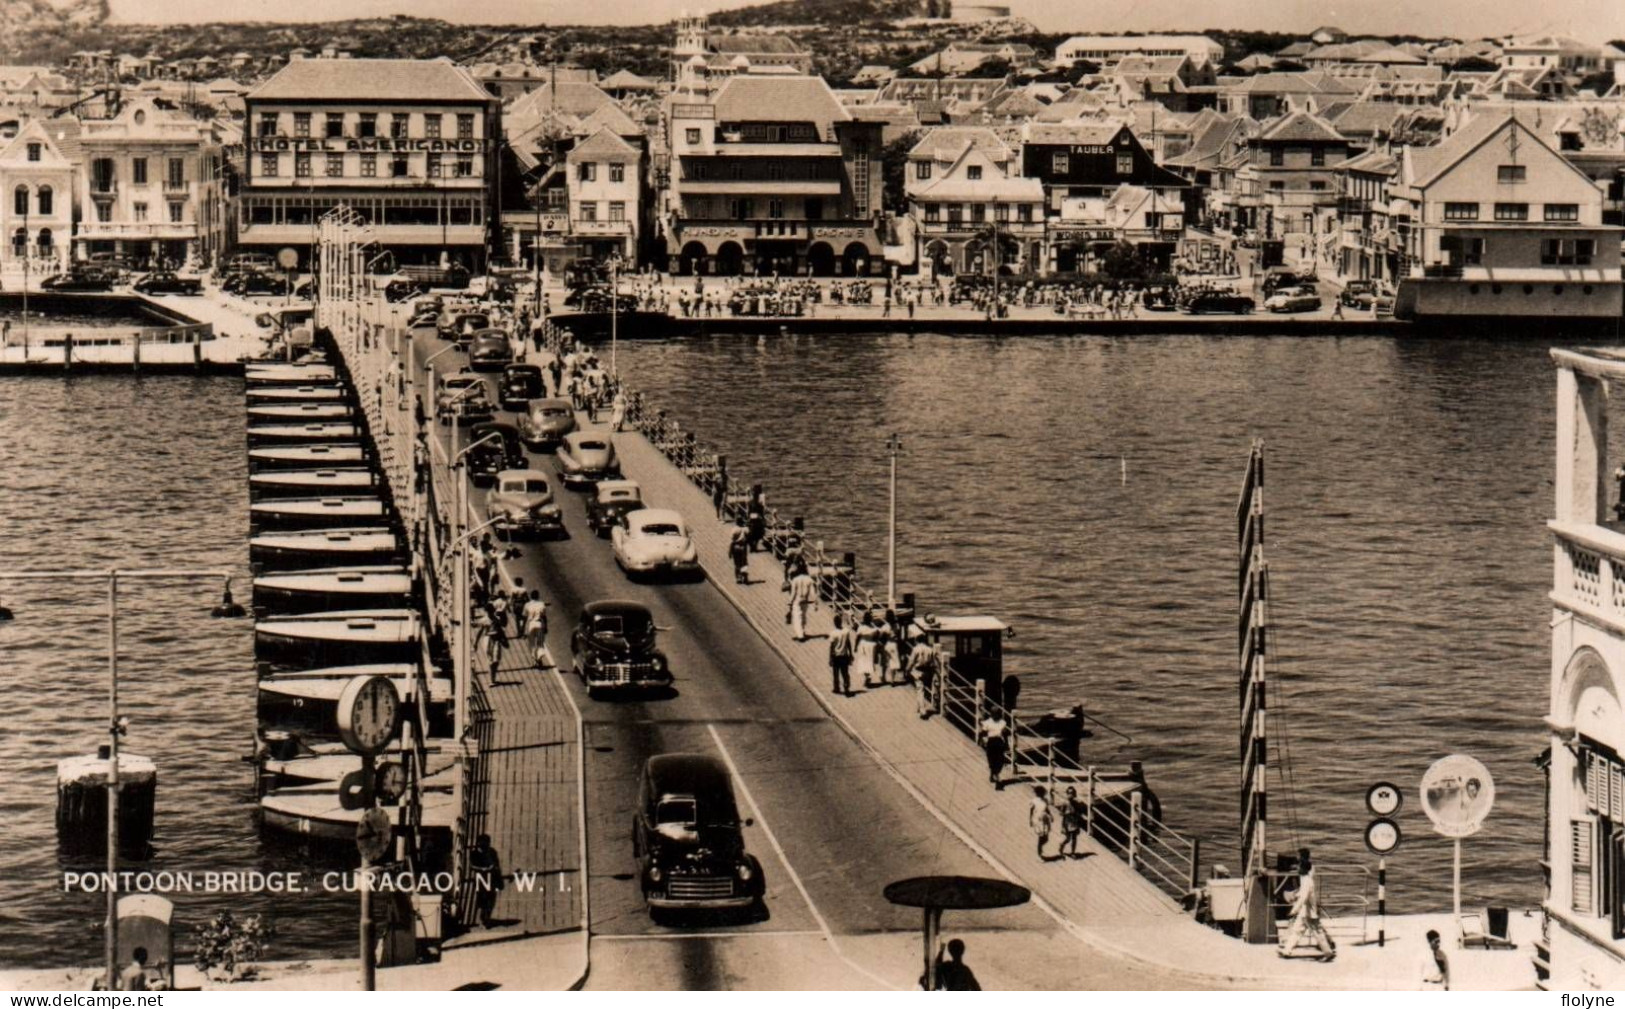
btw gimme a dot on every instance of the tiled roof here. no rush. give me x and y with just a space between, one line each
947 143
1365 118
1428 162
749 98
1301 126
372 80
1379 162
574 98
1392 54
603 144
627 80
1071 133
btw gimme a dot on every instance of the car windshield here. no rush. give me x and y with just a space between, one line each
591 446
662 529
620 495
535 486
677 811
620 623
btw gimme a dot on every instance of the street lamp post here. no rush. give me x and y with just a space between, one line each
614 311
115 724
894 445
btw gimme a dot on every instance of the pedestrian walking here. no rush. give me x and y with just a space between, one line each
756 517
842 643
863 662
888 658
803 596
535 617
617 411
924 667
995 743
1040 818
486 867
719 490
1072 814
739 550
1435 966
1306 929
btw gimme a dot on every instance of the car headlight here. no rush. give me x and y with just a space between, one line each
745 872
551 511
654 874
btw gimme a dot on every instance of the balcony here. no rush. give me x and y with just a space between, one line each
179 188
1590 576
142 230
103 189
1352 205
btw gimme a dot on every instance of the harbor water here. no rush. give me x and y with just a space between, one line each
1085 488
145 472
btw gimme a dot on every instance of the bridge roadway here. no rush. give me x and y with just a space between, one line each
831 828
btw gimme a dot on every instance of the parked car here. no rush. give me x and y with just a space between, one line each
654 541
489 350
250 285
520 384
546 422
1302 299
613 648
464 398
493 447
612 499
1160 299
403 290
250 262
164 282
1364 294
80 279
688 837
1280 278
586 457
520 503
1219 301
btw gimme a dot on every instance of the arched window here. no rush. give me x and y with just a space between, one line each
44 240
19 241
19 200
43 198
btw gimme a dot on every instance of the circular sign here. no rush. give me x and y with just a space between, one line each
1382 835
1384 799
369 711
287 257
373 832
1457 793
956 893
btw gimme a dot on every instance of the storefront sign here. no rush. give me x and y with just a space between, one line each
838 232
716 231
1084 234
336 145
604 227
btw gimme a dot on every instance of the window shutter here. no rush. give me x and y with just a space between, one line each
1581 851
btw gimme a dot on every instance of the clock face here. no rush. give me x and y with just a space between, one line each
368 714
390 783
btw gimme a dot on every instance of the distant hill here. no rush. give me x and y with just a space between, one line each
847 13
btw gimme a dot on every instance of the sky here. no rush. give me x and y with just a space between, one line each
1591 20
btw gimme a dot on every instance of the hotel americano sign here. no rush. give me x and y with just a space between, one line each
338 145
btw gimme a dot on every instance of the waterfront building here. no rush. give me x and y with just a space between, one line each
36 212
973 217
409 145
1501 224
148 170
606 176
1106 50
1582 944
940 147
1086 229
772 174
1288 188
1368 246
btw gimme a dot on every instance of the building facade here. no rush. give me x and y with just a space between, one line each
409 145
145 177
1106 50
973 218
773 175
1500 224
36 214
1582 944
606 196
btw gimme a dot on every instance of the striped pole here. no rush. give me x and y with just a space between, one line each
1382 901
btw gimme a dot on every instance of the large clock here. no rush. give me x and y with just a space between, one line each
369 712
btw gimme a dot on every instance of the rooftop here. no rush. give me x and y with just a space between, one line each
437 80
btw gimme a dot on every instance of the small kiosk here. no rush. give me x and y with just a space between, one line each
144 922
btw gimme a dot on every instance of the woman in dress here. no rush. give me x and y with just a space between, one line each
863 660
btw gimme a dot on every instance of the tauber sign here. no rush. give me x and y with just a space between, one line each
338 145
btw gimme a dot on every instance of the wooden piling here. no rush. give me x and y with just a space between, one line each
81 802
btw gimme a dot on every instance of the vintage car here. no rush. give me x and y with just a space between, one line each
1365 294
1302 299
520 503
81 278
585 457
464 398
249 285
613 648
489 350
611 500
688 838
520 384
654 540
1282 278
250 262
462 325
1219 301
1160 299
492 448
547 422
164 282
403 290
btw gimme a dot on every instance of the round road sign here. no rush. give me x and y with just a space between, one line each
1384 799
1382 835
287 257
1457 793
956 893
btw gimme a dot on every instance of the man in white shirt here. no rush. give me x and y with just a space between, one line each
802 592
1434 967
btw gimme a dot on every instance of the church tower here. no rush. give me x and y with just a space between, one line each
690 42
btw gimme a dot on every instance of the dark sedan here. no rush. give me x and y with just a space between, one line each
613 648
1219 301
163 282
79 280
500 451
611 500
490 350
520 384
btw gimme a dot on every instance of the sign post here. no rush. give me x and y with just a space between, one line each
1382 836
369 714
1457 793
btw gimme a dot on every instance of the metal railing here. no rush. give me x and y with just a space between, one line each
1125 821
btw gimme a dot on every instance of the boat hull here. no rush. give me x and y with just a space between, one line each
273 457
311 482
301 434
317 814
308 707
320 591
333 392
349 548
339 638
316 513
289 413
